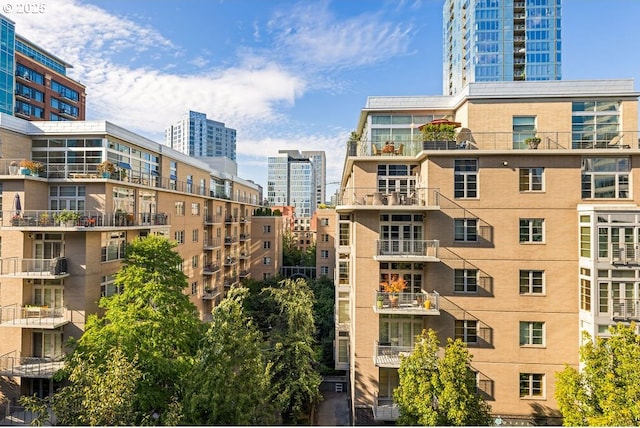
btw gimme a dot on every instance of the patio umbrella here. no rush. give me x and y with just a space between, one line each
17 206
442 121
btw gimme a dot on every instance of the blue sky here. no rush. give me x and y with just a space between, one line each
284 74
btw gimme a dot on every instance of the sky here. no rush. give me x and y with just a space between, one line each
285 74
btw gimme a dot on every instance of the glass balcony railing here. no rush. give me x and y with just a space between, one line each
80 219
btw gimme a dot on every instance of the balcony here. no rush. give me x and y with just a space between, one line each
32 316
465 139
388 355
30 367
229 240
370 198
244 273
626 254
421 303
210 294
624 310
395 250
229 261
244 236
37 221
212 219
210 268
15 267
230 219
385 410
211 243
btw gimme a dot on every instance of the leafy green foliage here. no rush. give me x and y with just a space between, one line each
294 375
438 132
230 381
435 391
151 322
294 256
607 390
323 313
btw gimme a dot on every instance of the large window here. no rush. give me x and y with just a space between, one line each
605 177
531 179
67 197
523 127
531 333
531 230
594 123
113 245
466 178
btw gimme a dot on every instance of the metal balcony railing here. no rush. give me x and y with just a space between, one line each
622 309
35 220
33 316
388 355
421 303
33 268
211 268
624 254
212 243
372 197
385 409
408 248
31 367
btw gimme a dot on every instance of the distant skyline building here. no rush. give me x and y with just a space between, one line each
197 136
291 180
319 159
500 40
33 82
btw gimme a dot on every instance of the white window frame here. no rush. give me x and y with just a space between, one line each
466 330
527 385
532 333
465 281
532 282
531 179
465 183
531 226
469 227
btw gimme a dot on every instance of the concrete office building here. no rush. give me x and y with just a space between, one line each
53 271
197 136
520 230
502 40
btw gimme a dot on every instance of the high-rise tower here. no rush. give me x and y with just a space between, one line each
197 136
500 40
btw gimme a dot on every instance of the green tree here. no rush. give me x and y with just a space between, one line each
294 374
230 380
606 392
435 391
323 313
151 321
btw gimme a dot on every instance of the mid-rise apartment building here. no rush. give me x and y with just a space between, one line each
325 232
515 233
266 246
197 136
64 229
505 40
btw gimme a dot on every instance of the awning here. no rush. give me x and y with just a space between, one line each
124 165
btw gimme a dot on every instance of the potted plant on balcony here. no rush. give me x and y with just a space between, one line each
70 218
13 168
106 168
395 285
380 301
26 166
533 142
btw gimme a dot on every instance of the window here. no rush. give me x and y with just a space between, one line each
67 197
465 281
324 222
605 178
344 232
531 230
195 208
266 260
324 237
194 262
179 236
266 245
113 245
266 228
523 127
324 254
266 275
531 179
466 229
465 178
531 385
324 270
195 235
108 286
585 294
531 333
179 207
594 123
531 282
466 330
194 288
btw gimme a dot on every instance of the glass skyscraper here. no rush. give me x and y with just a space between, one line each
197 136
7 64
291 180
500 40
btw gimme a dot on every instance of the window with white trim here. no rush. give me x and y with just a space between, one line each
113 245
531 179
466 330
324 254
67 197
531 333
465 229
531 230
465 281
531 385
108 287
178 235
465 178
531 282
266 260
324 270
606 177
266 245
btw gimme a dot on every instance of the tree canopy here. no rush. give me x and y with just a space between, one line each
606 392
434 391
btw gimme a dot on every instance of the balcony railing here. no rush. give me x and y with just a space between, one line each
32 316
82 219
624 254
15 267
421 303
385 409
466 139
210 294
388 355
211 268
407 249
624 309
373 198
212 219
210 243
30 367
